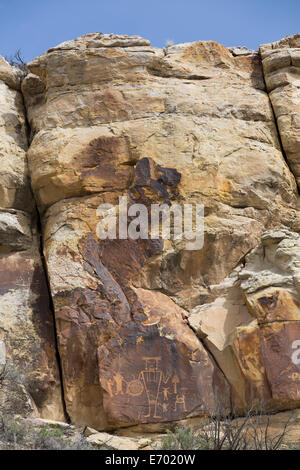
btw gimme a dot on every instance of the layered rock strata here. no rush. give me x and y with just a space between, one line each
148 330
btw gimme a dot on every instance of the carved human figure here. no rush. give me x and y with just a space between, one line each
152 377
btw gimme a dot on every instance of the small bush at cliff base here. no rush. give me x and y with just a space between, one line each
249 433
54 439
12 432
17 434
183 438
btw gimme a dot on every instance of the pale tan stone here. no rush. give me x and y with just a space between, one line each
30 376
281 61
195 121
114 442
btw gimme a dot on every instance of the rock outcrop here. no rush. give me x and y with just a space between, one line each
149 331
30 381
252 327
281 65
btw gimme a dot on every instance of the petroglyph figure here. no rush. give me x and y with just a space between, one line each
180 401
135 388
119 383
109 384
175 382
152 378
150 382
166 393
165 407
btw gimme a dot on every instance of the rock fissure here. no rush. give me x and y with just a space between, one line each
44 266
280 140
51 308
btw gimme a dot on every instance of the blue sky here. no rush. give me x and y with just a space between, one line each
36 25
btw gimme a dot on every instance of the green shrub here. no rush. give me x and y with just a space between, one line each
12 431
17 434
183 438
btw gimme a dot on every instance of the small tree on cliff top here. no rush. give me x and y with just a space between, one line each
17 60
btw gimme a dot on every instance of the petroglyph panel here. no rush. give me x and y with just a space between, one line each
283 371
149 378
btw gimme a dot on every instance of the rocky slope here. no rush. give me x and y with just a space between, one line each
146 331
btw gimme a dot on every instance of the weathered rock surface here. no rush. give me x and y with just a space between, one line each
30 380
148 331
259 357
111 442
281 65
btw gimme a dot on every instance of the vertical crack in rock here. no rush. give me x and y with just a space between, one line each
281 61
32 384
51 307
277 127
45 270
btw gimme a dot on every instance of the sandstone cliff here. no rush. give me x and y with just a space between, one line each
116 333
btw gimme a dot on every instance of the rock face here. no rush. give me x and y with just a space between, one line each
252 327
281 64
148 330
30 381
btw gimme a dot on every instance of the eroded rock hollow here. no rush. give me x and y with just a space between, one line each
123 332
